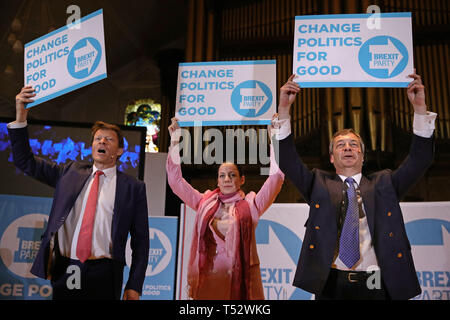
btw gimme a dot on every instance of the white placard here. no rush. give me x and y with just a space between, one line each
226 93
66 59
353 50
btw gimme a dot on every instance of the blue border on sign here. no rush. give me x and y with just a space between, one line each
68 89
356 15
91 15
378 84
222 123
219 63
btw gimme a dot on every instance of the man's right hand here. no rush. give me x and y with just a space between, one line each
22 99
288 93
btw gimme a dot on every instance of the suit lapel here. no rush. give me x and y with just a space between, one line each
76 187
118 202
335 189
79 184
368 197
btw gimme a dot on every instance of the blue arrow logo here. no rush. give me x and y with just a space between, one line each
290 242
156 253
383 57
251 98
84 58
427 232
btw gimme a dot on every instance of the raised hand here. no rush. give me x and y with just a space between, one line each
174 130
416 94
288 93
22 99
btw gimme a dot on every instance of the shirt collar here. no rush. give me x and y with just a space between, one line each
357 177
110 172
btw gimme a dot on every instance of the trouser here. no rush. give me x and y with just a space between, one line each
352 285
92 280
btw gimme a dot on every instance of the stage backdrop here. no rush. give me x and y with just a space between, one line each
279 239
23 221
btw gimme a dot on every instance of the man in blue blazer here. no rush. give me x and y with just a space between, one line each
355 224
94 208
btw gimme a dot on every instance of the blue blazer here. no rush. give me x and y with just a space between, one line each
380 192
130 209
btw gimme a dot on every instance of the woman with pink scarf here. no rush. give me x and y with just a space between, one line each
223 261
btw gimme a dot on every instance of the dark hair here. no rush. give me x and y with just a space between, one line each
107 126
238 167
344 132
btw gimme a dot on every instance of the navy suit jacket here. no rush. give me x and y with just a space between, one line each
380 192
130 209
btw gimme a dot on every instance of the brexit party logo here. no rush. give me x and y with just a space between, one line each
84 58
273 238
251 98
160 252
430 240
383 57
20 243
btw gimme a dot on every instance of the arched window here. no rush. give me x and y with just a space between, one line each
145 113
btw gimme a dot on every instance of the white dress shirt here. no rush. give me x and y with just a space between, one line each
423 126
101 234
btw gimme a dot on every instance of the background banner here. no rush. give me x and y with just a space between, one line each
353 50
226 93
160 275
428 228
23 221
279 238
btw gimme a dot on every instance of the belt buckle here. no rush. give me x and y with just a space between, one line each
349 277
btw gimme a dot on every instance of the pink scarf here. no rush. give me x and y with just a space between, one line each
203 247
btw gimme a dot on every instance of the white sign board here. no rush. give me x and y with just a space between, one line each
353 50
226 93
66 59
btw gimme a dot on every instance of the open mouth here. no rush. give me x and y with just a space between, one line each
101 151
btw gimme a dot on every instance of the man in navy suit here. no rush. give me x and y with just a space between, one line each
336 255
94 208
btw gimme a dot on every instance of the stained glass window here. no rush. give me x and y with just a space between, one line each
145 113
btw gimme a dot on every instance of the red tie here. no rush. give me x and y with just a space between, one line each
84 244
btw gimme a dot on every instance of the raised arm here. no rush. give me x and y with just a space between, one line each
287 156
271 187
24 159
177 183
421 152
